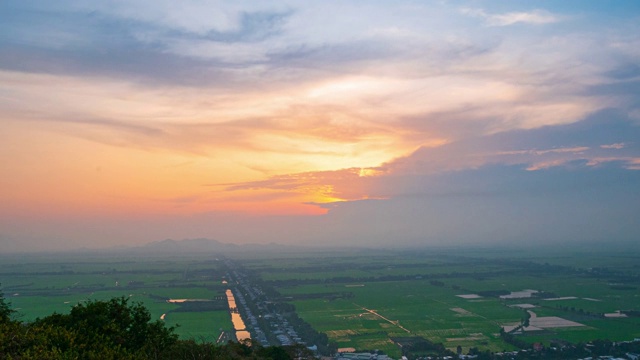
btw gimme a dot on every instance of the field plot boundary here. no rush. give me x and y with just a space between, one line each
469 296
393 322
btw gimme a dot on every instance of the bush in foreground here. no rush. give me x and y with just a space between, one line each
116 329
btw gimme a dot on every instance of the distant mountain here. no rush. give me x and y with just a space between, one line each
208 245
187 245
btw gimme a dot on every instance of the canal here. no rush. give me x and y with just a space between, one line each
238 323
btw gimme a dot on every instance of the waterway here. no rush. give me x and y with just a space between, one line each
238 323
185 300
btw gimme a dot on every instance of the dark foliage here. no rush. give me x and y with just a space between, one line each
117 329
5 310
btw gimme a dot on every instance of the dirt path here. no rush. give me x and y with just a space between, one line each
396 323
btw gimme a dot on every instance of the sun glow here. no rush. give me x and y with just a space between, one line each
350 87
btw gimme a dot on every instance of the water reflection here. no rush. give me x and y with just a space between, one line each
238 323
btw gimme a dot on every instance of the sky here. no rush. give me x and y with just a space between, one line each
360 123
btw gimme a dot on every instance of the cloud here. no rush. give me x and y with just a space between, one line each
214 44
617 146
318 187
318 108
571 146
556 145
194 17
534 17
501 204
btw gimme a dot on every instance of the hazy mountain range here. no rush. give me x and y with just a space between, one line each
203 245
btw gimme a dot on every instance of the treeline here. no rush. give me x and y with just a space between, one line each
530 269
560 349
117 329
511 267
365 279
325 295
414 347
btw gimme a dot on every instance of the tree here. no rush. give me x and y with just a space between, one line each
119 330
115 323
525 320
5 309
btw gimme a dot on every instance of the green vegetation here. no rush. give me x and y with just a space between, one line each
199 325
368 300
116 329
38 286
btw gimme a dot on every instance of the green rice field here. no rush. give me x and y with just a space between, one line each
365 301
361 299
39 286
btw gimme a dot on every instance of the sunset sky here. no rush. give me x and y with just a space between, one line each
367 123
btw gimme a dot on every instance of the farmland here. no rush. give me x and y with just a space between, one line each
457 297
37 286
363 299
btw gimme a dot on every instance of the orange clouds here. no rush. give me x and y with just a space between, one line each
103 146
107 146
311 188
228 111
